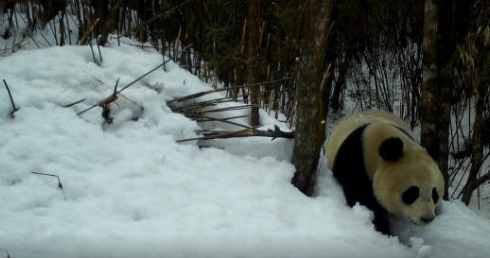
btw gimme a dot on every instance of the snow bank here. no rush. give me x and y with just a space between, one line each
129 190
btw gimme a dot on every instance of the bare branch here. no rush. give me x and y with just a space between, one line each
483 179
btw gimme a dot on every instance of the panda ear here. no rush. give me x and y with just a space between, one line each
391 149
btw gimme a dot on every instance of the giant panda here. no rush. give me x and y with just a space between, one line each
376 160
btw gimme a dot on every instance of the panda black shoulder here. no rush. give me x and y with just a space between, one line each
349 168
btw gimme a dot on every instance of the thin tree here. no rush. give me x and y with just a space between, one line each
310 115
253 57
435 87
477 148
476 70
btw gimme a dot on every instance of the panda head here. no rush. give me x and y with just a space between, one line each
408 183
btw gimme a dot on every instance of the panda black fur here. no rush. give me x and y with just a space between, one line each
379 165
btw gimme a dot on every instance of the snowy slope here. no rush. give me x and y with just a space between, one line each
129 190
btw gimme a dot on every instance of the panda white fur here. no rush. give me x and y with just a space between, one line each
374 157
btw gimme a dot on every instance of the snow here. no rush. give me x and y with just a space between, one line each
130 190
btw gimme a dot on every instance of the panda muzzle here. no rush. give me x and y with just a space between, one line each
427 220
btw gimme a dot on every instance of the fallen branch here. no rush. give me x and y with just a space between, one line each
276 133
15 109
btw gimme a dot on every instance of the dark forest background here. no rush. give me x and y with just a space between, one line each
315 62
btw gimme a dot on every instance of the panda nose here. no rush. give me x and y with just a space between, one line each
427 219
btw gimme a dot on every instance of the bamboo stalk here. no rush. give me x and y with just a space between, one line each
202 93
276 133
203 104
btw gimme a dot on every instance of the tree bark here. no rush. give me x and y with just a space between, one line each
435 109
310 116
253 57
101 9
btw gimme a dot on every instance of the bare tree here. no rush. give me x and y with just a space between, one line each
435 89
253 57
475 63
310 115
477 148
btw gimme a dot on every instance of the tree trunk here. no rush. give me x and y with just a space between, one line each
435 112
253 57
310 116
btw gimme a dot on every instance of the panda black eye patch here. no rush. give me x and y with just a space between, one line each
410 195
435 195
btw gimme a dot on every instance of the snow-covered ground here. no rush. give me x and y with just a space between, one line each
130 190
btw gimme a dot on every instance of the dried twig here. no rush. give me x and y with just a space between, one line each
276 133
44 174
15 109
